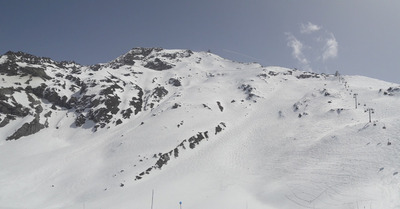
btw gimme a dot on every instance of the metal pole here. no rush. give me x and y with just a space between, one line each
152 198
355 97
369 110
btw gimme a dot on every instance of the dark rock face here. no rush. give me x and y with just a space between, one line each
221 108
220 128
9 106
175 82
248 90
95 67
159 92
176 105
67 86
100 115
44 92
27 129
80 120
112 103
307 75
156 96
137 102
10 67
158 65
17 110
4 91
126 114
178 55
195 140
35 72
128 59
132 56
6 120
391 91
164 158
141 53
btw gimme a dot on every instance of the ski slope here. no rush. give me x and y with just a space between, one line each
232 135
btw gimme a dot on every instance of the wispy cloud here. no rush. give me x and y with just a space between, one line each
297 50
312 47
309 28
330 48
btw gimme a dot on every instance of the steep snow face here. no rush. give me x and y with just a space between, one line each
197 129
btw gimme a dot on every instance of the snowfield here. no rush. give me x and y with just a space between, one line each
207 132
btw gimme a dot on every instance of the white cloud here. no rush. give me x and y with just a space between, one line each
309 28
297 50
330 49
313 46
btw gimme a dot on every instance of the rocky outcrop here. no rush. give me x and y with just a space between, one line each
67 86
158 65
248 90
33 65
174 82
306 75
192 142
391 91
28 129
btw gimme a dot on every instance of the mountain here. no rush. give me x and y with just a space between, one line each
195 129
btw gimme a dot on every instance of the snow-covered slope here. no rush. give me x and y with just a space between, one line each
194 128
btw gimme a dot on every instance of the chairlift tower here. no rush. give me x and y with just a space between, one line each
355 98
370 111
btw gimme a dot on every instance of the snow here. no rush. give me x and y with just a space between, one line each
3 59
266 157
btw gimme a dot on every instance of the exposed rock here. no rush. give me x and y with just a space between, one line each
48 114
126 114
392 91
164 158
158 65
306 75
9 91
112 103
174 82
221 108
195 140
175 106
17 109
248 90
80 120
27 129
186 53
137 102
35 72
272 73
219 128
159 92
6 120
95 67
119 121
100 115
192 141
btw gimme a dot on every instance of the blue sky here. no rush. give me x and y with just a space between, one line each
359 37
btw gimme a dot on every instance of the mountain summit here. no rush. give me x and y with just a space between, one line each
196 129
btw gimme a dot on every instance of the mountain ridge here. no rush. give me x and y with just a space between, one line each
194 127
